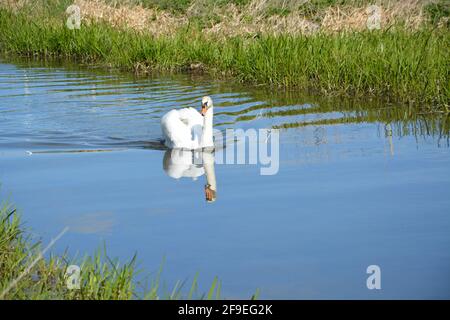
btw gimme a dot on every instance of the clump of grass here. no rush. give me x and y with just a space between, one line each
25 274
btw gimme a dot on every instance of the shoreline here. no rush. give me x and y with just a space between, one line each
396 64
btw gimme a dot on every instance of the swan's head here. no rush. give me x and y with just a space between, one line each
207 104
210 194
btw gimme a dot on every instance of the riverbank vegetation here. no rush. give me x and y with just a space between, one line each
397 50
26 274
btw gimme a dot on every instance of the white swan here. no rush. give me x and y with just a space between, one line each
187 128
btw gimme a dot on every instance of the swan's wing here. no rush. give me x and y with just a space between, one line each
194 120
176 133
182 128
190 116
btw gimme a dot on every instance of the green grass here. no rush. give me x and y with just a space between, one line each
100 278
438 10
398 65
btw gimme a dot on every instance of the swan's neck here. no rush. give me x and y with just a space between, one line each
207 135
208 164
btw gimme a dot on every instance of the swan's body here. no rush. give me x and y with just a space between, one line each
187 128
182 128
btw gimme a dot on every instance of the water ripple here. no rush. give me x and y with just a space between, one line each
53 108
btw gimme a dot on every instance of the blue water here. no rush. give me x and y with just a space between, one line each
367 189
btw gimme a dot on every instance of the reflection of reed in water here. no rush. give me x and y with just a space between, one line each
179 163
289 109
388 134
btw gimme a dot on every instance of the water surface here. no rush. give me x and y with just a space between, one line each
359 183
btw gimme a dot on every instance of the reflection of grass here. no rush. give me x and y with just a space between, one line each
292 109
404 120
101 277
416 124
397 64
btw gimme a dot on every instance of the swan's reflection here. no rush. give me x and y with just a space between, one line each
179 163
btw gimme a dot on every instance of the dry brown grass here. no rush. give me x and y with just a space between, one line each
13 5
135 17
252 19
249 20
408 12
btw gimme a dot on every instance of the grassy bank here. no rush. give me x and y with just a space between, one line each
398 63
25 274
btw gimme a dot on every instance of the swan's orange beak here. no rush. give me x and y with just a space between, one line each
203 112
